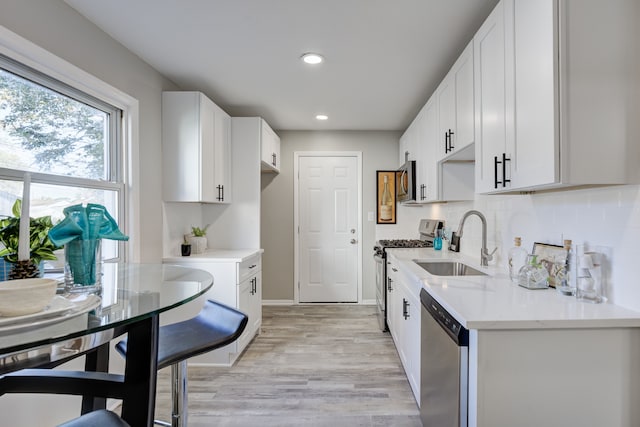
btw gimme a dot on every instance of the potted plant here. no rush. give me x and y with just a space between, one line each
198 239
185 248
41 248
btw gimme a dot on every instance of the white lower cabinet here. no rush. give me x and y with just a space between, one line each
411 340
250 301
237 284
403 319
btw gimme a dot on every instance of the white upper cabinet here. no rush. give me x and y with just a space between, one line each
456 107
554 98
427 179
436 180
196 149
222 171
490 100
269 148
440 138
409 143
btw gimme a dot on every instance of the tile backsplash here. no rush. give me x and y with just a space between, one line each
603 216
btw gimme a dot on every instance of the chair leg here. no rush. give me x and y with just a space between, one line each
179 394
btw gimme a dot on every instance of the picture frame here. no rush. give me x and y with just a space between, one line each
386 214
553 258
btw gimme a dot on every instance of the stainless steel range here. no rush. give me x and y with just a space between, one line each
427 230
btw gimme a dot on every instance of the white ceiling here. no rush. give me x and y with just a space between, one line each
383 57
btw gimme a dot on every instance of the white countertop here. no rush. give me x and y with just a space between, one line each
494 302
216 255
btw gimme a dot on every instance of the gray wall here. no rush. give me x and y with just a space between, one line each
379 151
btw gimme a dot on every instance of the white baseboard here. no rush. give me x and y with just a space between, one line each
277 302
291 302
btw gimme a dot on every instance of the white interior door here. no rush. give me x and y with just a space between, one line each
328 205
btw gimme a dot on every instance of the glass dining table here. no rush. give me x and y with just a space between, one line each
130 302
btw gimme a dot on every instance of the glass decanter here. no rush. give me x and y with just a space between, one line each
533 275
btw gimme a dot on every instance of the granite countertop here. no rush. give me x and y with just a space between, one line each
494 302
216 255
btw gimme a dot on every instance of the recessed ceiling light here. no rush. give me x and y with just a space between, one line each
322 117
312 58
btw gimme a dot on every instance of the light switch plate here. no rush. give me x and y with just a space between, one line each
371 216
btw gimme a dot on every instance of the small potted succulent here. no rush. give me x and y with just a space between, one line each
41 248
185 248
198 239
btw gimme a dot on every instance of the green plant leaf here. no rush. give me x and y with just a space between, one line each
17 208
41 247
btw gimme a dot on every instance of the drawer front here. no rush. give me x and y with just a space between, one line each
249 267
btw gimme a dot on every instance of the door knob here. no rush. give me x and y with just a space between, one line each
354 241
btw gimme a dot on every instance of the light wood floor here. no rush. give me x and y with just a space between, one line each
325 365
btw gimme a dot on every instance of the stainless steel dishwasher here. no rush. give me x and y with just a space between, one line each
444 364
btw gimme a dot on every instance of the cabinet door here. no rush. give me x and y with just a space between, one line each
245 301
188 147
250 303
455 106
421 155
276 150
403 147
196 149
536 155
391 299
256 303
429 153
222 147
270 148
490 102
408 147
463 75
446 98
411 341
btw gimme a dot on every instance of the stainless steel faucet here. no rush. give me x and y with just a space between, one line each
485 256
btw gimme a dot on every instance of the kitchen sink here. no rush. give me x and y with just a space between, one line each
448 268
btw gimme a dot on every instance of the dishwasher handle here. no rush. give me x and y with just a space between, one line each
458 333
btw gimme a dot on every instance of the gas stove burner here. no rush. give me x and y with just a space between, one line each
405 243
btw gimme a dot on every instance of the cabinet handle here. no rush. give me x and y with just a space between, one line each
273 159
502 162
423 191
395 270
254 286
389 288
405 309
448 146
220 193
446 142
252 266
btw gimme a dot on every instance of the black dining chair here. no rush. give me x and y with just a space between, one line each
215 326
99 418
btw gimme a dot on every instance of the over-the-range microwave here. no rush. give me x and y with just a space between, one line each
406 182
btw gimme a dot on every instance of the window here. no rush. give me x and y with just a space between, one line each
69 141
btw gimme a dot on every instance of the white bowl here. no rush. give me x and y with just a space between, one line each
25 296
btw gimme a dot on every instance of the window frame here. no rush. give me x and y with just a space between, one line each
124 128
